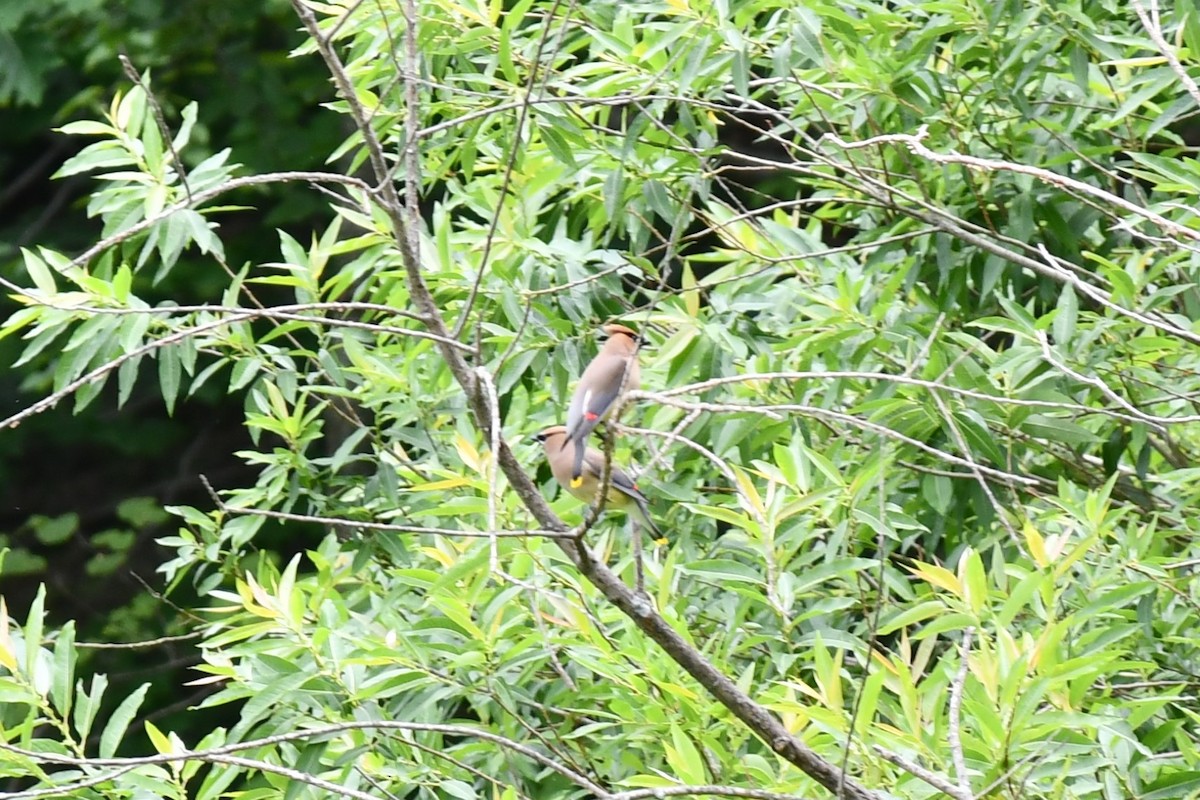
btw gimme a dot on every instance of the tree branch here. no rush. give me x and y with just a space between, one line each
954 728
221 754
916 770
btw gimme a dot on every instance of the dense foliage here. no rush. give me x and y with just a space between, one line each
919 285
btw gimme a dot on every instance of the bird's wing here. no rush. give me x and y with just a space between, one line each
597 390
618 478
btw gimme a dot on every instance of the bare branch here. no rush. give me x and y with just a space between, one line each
52 399
292 312
960 441
971 234
390 527
916 770
1102 387
183 637
412 118
916 145
299 776
1153 26
779 410
209 194
222 754
708 790
953 730
66 788
161 121
493 403
703 386
235 315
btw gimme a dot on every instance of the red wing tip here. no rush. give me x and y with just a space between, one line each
591 415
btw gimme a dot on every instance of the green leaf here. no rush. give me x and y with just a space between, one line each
87 704
459 789
56 530
87 127
973 579
62 683
1172 785
114 730
1059 430
169 374
904 617
734 518
557 145
160 741
187 122
722 570
263 700
684 758
39 272
33 634
938 490
1065 317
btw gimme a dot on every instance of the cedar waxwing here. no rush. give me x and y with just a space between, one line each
613 370
622 491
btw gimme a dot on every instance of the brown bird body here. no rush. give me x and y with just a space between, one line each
622 491
614 370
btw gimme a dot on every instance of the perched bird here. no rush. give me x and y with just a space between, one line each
622 491
614 370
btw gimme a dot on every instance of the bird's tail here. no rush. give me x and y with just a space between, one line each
643 513
577 466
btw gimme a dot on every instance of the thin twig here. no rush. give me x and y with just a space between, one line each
289 312
873 630
296 775
954 725
493 471
709 790
209 194
779 410
960 441
915 143
915 364
222 754
916 770
412 119
387 526
142 645
161 121
51 400
66 788
815 375
1153 27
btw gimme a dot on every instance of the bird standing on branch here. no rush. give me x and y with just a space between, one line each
612 372
622 491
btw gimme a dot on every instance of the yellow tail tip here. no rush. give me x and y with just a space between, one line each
661 542
576 482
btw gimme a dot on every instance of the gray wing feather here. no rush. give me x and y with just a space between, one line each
620 480
597 390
